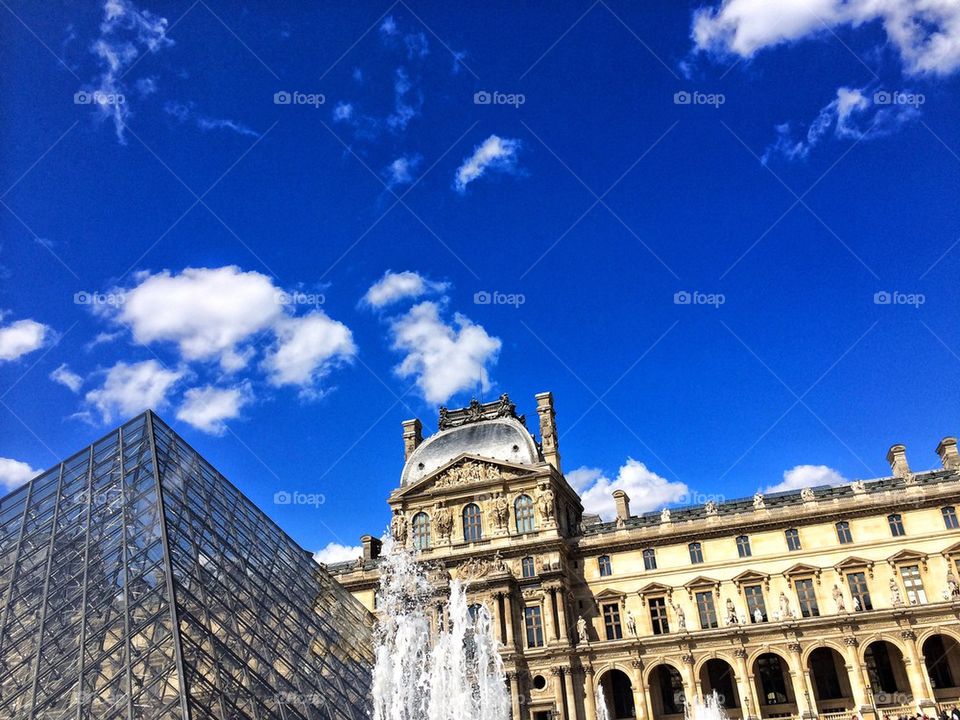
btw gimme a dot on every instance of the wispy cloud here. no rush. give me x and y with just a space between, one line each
400 171
495 154
184 112
66 377
396 286
853 114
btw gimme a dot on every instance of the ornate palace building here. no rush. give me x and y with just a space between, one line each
828 601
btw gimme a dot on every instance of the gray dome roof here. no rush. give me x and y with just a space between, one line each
498 439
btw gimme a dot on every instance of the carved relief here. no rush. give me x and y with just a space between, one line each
546 503
499 511
758 503
398 527
442 521
472 471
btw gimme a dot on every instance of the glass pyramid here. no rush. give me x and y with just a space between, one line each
137 582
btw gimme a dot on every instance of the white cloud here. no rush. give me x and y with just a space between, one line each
66 377
399 172
801 476
184 112
405 109
926 33
206 408
14 473
853 114
646 490
495 153
209 313
394 286
125 34
444 359
389 26
342 111
23 337
307 348
335 552
131 389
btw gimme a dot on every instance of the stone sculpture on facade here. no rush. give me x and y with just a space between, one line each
443 521
757 615
838 599
758 503
785 612
896 597
665 515
953 587
546 503
499 512
398 527
732 618
710 507
681 617
631 624
807 495
582 629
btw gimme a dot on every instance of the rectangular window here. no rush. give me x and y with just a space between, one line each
658 616
755 603
896 525
807 598
793 539
696 553
649 559
611 621
708 613
603 562
913 585
743 546
859 591
534 625
843 533
950 517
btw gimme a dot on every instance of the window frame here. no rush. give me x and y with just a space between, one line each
895 523
755 600
949 515
659 620
806 592
528 568
649 559
706 611
611 620
604 566
523 514
844 534
472 519
420 531
913 588
792 536
860 590
696 553
533 626
743 546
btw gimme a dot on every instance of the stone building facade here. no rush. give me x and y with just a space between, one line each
827 601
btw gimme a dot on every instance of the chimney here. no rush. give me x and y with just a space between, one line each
947 450
897 457
623 504
412 437
371 547
548 429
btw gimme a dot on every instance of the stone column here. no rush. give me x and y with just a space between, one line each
639 691
916 671
562 610
557 690
801 684
571 698
495 617
546 614
589 694
514 679
508 616
855 674
743 685
692 689
554 612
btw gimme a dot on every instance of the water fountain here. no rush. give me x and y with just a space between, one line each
451 674
710 708
601 700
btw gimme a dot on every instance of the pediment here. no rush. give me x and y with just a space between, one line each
952 550
701 581
466 469
751 576
610 594
905 556
854 563
801 569
655 588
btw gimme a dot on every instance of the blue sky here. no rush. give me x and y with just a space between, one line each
726 240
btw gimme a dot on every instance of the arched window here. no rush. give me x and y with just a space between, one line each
472 523
526 566
421 531
523 511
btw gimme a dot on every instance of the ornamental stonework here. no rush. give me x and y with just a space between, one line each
473 471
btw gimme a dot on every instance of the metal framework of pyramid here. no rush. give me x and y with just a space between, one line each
136 582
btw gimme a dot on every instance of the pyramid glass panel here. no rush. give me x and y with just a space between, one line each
136 582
